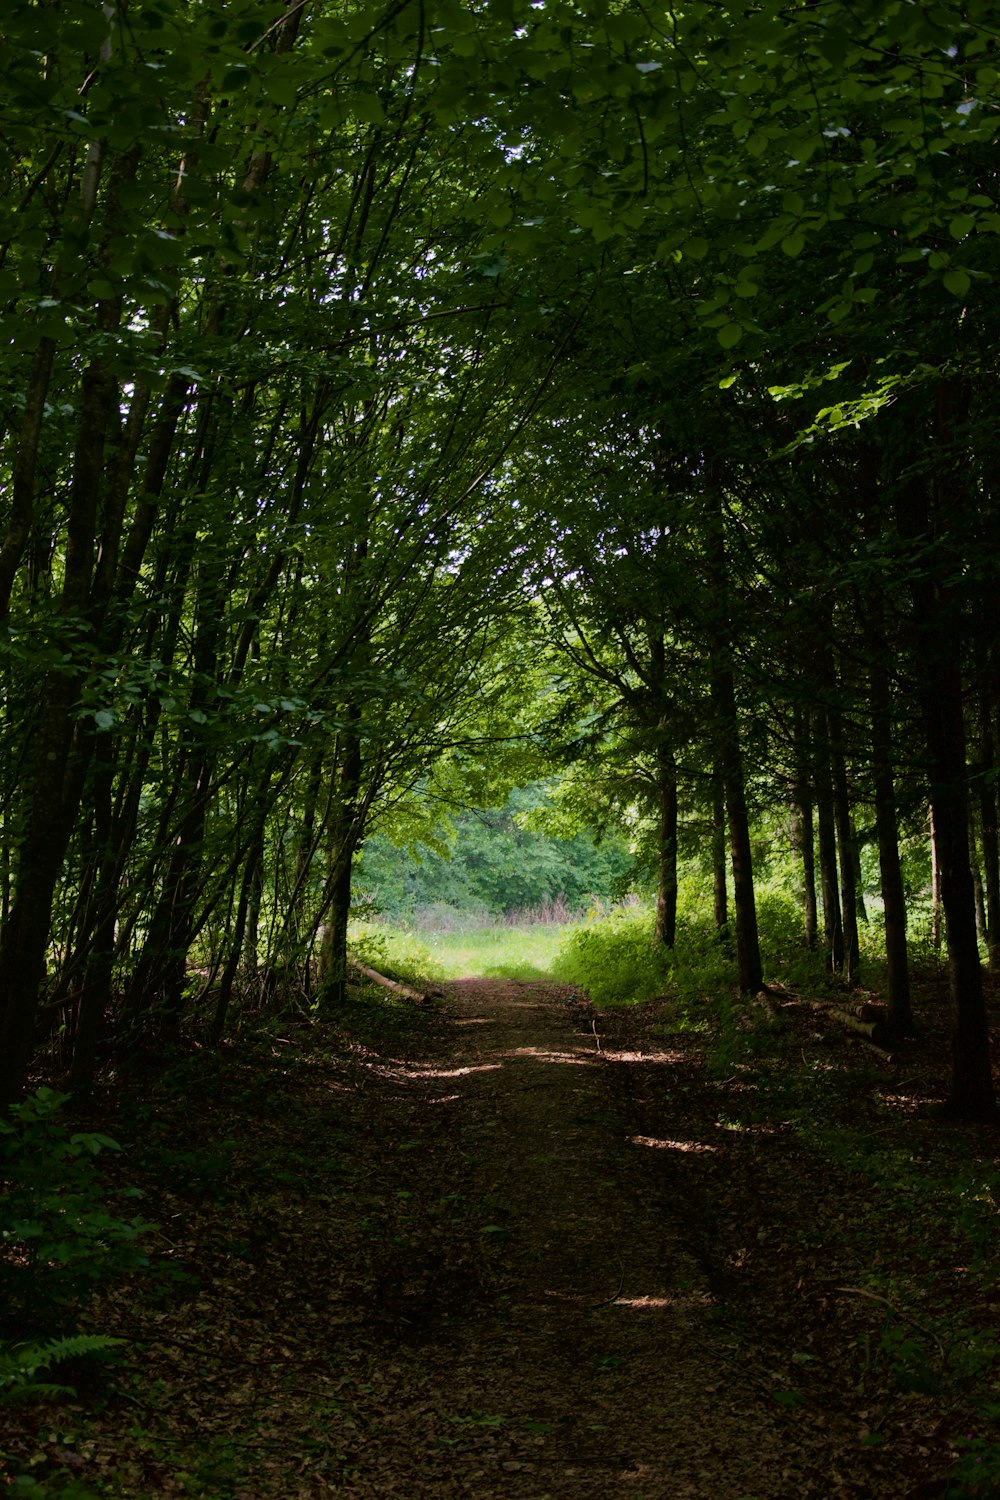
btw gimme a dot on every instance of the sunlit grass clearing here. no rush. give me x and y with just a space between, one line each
513 952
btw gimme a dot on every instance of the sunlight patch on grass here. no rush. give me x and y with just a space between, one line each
494 952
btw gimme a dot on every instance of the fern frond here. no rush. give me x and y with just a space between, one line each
32 1388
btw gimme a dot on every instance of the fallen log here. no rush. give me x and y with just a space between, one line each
865 1020
419 997
862 1010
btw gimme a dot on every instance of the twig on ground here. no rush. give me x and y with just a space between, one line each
621 1282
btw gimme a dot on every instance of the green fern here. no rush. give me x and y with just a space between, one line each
20 1364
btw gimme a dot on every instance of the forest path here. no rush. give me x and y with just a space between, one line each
505 1248
589 1354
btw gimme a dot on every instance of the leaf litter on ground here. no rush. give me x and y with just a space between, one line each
512 1246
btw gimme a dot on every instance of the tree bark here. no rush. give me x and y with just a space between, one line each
988 828
845 844
61 750
665 926
345 840
833 931
887 833
938 631
751 969
937 912
803 836
720 901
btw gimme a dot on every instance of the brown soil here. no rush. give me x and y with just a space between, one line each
511 1248
603 1357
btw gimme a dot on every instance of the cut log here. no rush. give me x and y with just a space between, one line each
862 1010
865 1020
419 997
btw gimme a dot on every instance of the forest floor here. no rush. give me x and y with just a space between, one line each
506 1246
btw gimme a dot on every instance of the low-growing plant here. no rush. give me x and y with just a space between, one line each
977 1469
398 954
24 1366
57 1237
613 958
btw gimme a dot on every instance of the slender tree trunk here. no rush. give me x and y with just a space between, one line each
977 885
845 843
938 632
729 757
937 912
988 827
237 937
720 902
859 880
833 931
62 750
25 466
98 936
972 1095
345 840
887 833
665 926
333 962
803 835
751 969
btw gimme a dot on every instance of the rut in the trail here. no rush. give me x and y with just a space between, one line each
605 1365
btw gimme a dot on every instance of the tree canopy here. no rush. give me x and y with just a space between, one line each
372 376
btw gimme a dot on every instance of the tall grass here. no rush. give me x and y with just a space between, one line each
610 954
496 951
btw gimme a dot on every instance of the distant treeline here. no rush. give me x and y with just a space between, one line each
495 866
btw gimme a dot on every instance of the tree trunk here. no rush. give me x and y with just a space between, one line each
751 970
345 840
665 926
972 1095
833 931
720 902
61 751
333 959
803 837
977 883
936 909
887 833
938 629
988 828
729 756
237 937
859 883
845 844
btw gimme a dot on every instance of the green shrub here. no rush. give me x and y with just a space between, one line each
612 957
57 1238
400 955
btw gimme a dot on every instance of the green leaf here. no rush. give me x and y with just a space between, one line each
104 718
957 281
793 244
963 225
729 335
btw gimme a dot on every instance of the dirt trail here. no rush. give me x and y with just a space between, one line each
592 1355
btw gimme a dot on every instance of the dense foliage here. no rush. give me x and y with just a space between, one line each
496 864
394 391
